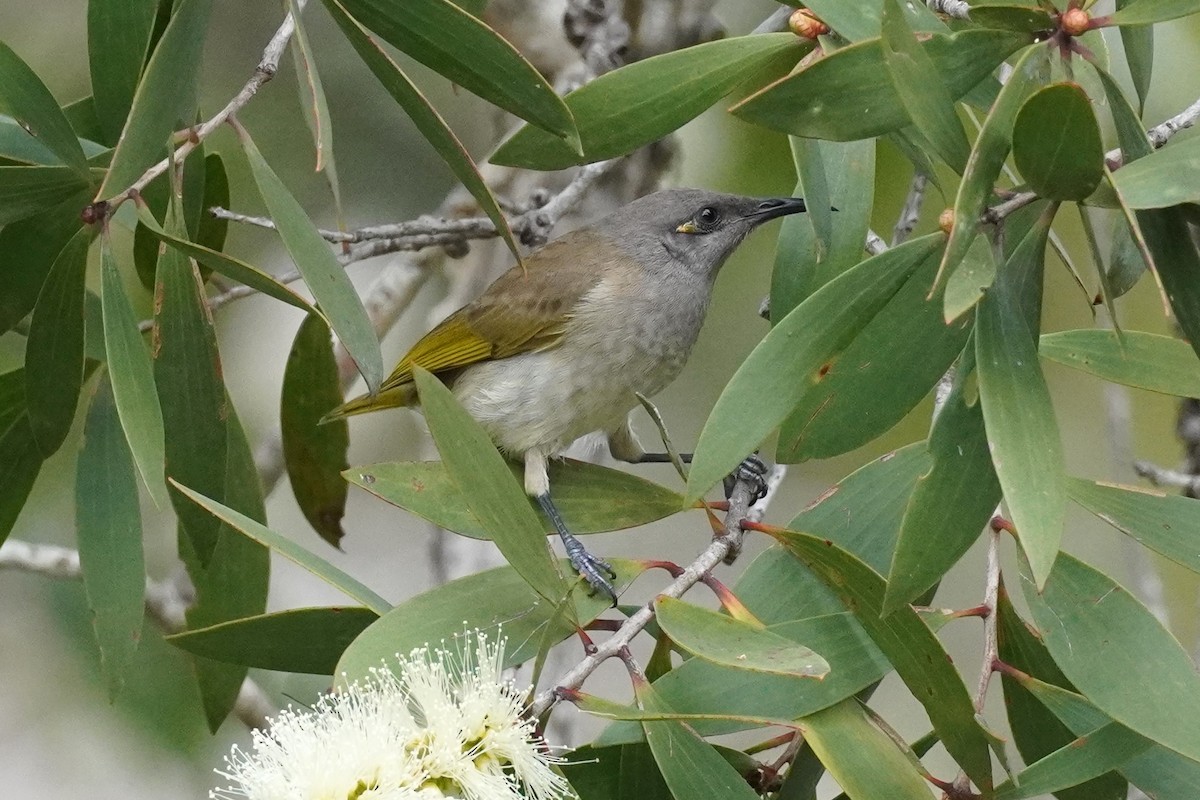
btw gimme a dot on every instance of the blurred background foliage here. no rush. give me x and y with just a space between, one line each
58 734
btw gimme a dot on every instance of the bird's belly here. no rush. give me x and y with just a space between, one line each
548 400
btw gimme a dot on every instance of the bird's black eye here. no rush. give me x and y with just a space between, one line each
708 217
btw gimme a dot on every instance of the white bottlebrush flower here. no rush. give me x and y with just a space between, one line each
436 725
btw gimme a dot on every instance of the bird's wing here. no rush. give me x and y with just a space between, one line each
521 312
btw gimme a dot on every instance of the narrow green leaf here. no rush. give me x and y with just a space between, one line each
54 351
1056 143
987 159
1138 43
191 390
450 41
920 88
81 114
793 358
315 454
118 43
512 610
26 191
951 503
882 375
20 458
428 121
864 760
225 265
494 497
233 584
30 248
1086 758
1014 17
1177 263
166 95
691 767
211 231
595 499
912 648
326 278
610 709
318 566
640 103
840 97
863 20
1022 431
17 146
1164 178
1134 358
1099 635
1163 522
298 640
615 773
132 374
970 279
724 640
314 105
1146 12
26 99
108 527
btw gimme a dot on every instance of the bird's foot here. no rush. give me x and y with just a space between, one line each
592 568
753 471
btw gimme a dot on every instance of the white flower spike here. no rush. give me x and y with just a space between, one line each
437 725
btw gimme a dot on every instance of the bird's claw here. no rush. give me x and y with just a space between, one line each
591 568
752 470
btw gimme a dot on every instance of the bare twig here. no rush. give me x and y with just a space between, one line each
166 603
875 243
951 8
730 539
1161 476
777 21
990 598
911 212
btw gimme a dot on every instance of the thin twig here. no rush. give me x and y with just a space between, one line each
1161 476
951 8
730 539
911 212
166 603
991 596
875 243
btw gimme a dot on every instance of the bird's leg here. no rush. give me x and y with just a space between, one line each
624 446
537 484
752 470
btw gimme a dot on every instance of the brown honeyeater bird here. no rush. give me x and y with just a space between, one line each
561 348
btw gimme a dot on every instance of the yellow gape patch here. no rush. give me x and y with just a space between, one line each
687 227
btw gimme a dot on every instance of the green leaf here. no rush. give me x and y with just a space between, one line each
640 103
132 375
108 527
1015 17
1164 178
793 357
1022 431
20 458
1056 143
610 709
298 640
315 454
1165 523
428 121
987 160
224 264
1145 12
837 175
314 105
1086 758
494 497
233 584
118 43
722 639
1134 358
191 390
595 499
512 610
863 20
840 97
326 278
450 41
615 773
690 766
970 279
1099 635
881 376
211 231
30 248
1036 730
1177 262
951 503
26 99
864 760
912 648
1138 44
54 351
318 566
26 191
166 95
920 88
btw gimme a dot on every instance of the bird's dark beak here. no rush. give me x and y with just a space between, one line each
777 207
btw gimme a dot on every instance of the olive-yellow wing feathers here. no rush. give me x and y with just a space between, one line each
521 312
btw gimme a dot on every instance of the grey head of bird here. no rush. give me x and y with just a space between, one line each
693 229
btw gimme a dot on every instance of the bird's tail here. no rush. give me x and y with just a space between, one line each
399 397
